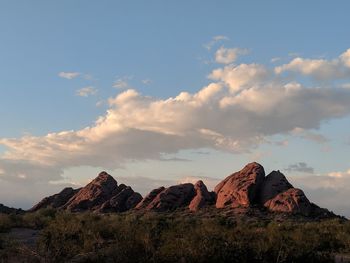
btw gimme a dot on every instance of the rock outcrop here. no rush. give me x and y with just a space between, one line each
169 198
149 198
55 201
245 190
241 188
123 200
101 195
93 195
202 198
9 210
291 201
274 184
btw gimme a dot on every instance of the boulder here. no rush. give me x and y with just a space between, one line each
274 184
291 201
173 197
241 188
202 198
56 200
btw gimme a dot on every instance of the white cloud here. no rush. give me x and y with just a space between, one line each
68 75
241 76
319 69
122 83
86 91
327 190
274 60
340 174
309 135
228 55
246 104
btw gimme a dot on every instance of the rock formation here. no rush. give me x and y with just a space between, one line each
250 187
241 188
93 195
291 201
242 191
55 201
169 198
202 197
274 183
9 210
124 199
101 195
149 198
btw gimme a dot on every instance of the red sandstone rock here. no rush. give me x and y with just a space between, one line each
171 198
241 188
55 201
93 195
291 201
149 198
202 197
274 184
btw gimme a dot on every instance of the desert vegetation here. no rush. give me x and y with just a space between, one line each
172 237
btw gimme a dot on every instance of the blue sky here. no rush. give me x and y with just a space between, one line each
160 49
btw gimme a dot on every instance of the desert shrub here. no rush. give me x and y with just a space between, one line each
38 219
188 238
5 223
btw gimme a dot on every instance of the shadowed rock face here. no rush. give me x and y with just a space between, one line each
171 198
101 195
241 188
124 199
274 184
93 195
291 201
9 210
202 197
55 201
149 198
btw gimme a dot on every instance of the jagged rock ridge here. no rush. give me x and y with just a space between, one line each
57 200
101 195
248 188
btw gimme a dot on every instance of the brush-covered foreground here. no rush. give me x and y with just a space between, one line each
179 236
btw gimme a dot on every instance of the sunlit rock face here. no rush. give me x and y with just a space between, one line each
241 188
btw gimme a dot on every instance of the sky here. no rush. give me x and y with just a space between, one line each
164 92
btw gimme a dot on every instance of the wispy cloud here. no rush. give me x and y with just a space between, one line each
86 91
215 40
122 83
147 81
309 135
300 167
68 75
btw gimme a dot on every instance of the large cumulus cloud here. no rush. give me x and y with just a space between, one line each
238 110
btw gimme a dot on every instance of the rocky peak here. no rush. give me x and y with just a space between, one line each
241 188
274 183
90 197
